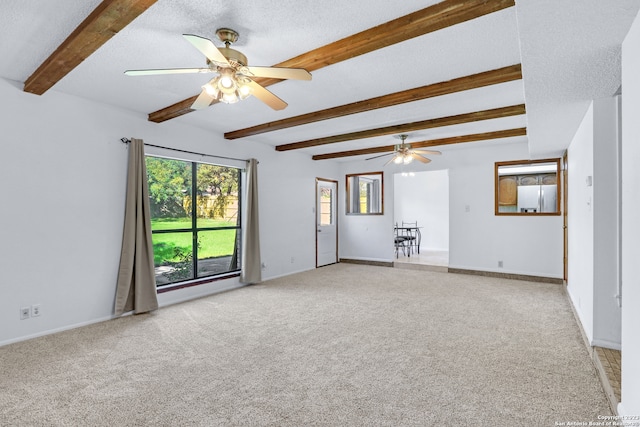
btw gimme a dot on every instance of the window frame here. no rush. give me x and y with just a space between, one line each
558 169
195 229
349 190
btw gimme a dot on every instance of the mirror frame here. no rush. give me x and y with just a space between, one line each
527 163
348 191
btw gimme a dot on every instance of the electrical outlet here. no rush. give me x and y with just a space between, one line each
500 265
35 310
25 313
292 260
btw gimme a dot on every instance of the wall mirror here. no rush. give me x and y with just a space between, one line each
364 193
528 187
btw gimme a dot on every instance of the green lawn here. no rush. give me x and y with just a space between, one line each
178 223
174 247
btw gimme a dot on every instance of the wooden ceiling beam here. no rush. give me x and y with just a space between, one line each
424 21
475 116
104 22
429 143
474 81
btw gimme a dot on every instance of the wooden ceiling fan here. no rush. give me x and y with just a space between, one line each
403 154
234 81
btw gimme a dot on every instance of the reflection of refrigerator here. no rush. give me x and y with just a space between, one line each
537 198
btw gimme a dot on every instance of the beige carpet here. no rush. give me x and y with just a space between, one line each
338 346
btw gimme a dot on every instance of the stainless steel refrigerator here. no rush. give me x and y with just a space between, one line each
537 198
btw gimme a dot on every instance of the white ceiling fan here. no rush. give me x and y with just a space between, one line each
403 154
234 81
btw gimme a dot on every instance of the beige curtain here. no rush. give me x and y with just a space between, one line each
251 263
136 288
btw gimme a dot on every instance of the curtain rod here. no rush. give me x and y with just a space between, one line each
127 140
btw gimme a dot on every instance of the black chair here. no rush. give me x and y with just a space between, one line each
399 242
412 235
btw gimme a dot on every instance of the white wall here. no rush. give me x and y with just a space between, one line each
365 237
287 206
607 312
630 404
477 238
529 245
62 172
580 223
424 197
593 224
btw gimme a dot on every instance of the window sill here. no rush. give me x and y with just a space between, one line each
196 282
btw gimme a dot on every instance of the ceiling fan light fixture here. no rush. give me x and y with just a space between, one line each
212 87
226 83
244 91
403 154
229 98
228 88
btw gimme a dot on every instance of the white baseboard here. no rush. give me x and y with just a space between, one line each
587 334
287 274
607 344
56 330
162 303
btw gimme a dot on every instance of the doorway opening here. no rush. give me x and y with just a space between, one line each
422 199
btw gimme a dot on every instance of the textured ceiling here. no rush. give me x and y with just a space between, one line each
569 51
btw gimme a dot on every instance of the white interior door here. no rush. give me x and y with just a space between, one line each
326 222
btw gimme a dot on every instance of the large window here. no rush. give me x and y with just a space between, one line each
195 219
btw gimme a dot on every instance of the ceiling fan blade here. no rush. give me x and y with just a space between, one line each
280 73
202 101
208 49
266 96
381 155
431 152
420 158
167 71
